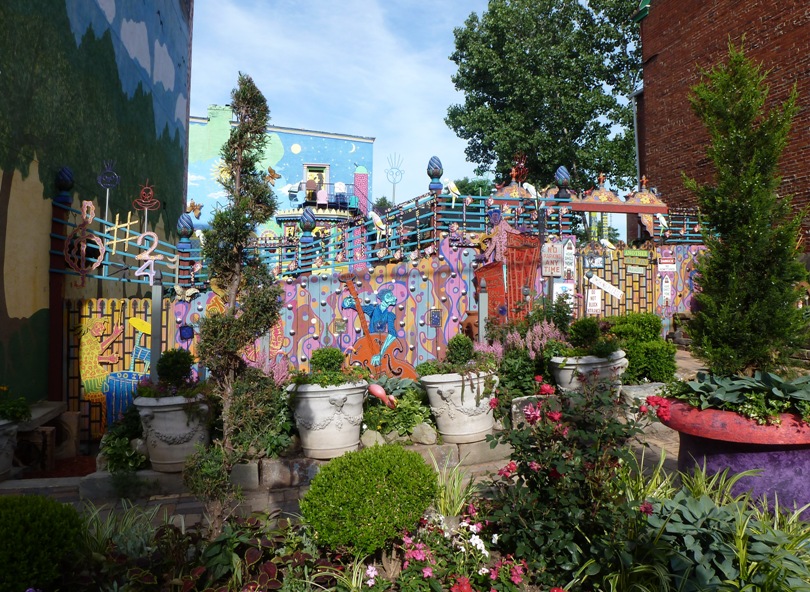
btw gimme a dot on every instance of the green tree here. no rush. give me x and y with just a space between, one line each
549 79
748 276
232 264
474 186
382 204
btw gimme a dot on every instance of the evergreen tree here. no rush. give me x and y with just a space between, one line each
236 268
748 276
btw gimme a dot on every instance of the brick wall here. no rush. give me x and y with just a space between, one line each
681 36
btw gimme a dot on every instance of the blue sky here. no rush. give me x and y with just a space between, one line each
376 68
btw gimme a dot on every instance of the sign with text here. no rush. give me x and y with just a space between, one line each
609 288
569 260
594 303
666 264
553 259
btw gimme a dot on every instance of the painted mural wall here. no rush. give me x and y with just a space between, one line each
288 152
100 87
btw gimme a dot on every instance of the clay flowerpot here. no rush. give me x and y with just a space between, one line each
329 418
726 440
8 441
568 369
172 428
460 405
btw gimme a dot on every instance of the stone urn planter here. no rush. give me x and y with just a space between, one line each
172 427
460 405
567 369
726 440
329 418
8 442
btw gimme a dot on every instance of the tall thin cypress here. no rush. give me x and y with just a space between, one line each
747 317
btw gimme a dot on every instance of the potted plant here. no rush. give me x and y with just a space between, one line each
13 411
595 356
742 414
459 390
174 412
328 404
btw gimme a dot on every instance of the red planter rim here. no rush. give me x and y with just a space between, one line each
729 426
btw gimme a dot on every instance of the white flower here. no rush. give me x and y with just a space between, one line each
495 539
370 582
483 571
476 542
475 528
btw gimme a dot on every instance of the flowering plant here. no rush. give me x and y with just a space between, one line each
557 501
438 552
13 408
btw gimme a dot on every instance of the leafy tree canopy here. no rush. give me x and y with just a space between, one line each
382 204
474 186
550 79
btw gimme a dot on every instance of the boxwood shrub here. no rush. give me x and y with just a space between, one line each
38 539
363 500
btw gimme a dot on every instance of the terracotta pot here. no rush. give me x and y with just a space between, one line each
567 369
459 405
726 440
172 428
329 418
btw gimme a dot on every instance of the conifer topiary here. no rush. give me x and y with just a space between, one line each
748 277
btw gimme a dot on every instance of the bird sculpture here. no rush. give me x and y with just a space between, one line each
607 244
531 189
453 189
379 225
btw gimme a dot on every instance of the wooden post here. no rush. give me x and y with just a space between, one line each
56 287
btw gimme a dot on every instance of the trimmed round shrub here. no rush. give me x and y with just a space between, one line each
327 359
174 367
636 326
460 349
38 539
651 360
584 332
363 500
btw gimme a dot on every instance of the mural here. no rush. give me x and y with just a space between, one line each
83 84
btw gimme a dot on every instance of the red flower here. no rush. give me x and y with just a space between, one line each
646 508
662 407
557 590
462 585
554 416
546 389
538 378
508 470
493 402
643 408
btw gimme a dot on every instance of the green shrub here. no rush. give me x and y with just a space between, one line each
265 422
115 444
460 349
174 367
636 326
411 410
38 537
584 332
650 360
363 500
327 359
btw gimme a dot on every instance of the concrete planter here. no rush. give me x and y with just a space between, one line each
172 427
726 440
567 370
8 441
460 405
329 418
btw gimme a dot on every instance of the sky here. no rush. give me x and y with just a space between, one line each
373 68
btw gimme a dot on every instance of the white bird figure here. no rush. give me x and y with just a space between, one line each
606 243
453 189
531 189
379 225
662 220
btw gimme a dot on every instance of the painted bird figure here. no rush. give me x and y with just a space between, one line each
379 225
531 189
453 189
272 175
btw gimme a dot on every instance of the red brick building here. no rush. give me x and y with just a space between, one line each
679 37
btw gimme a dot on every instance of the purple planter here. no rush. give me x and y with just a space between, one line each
725 440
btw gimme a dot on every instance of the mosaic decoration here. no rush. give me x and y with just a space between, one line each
75 249
146 202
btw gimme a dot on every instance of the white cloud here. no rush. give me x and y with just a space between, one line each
136 41
163 70
372 68
108 8
195 180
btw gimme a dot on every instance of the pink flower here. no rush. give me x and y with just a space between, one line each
532 414
546 389
427 572
538 378
534 466
472 510
646 508
493 402
556 589
508 470
554 416
643 408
